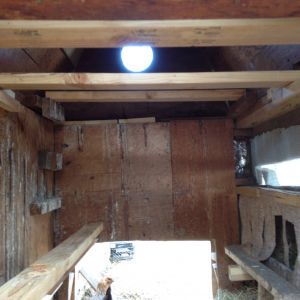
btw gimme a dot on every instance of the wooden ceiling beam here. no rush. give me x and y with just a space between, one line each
146 96
147 81
158 33
278 102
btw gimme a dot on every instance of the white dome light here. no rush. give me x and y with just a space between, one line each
137 58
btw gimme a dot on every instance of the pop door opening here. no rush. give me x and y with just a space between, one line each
156 270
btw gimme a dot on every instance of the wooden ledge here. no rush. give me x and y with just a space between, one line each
269 280
281 196
47 272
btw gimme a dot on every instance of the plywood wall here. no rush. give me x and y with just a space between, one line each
23 238
159 181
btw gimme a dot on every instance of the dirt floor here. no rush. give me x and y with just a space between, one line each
158 271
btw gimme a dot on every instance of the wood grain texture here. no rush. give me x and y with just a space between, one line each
158 33
155 181
33 60
280 196
282 101
24 238
150 96
147 81
204 185
46 273
147 180
90 181
274 284
143 9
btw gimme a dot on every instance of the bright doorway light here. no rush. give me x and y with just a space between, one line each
156 270
137 58
286 173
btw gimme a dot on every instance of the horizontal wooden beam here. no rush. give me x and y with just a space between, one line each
45 206
278 102
147 96
273 283
159 33
46 273
280 196
147 81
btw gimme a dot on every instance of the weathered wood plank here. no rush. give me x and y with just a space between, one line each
269 280
147 180
24 238
147 96
90 122
280 196
159 33
137 120
52 110
45 206
90 182
204 199
147 81
49 160
47 272
8 101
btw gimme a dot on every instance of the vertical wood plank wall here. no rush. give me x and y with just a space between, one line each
160 181
204 195
23 238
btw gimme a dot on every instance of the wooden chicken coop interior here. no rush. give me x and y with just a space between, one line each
90 151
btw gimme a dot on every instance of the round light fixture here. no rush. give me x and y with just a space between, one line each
137 58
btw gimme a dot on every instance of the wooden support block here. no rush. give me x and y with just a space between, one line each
148 81
268 279
146 96
53 110
236 273
32 101
46 273
159 33
41 207
8 101
52 161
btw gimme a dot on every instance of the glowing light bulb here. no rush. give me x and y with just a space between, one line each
137 58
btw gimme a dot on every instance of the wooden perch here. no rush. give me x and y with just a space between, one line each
50 160
9 103
281 196
45 206
47 272
269 280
